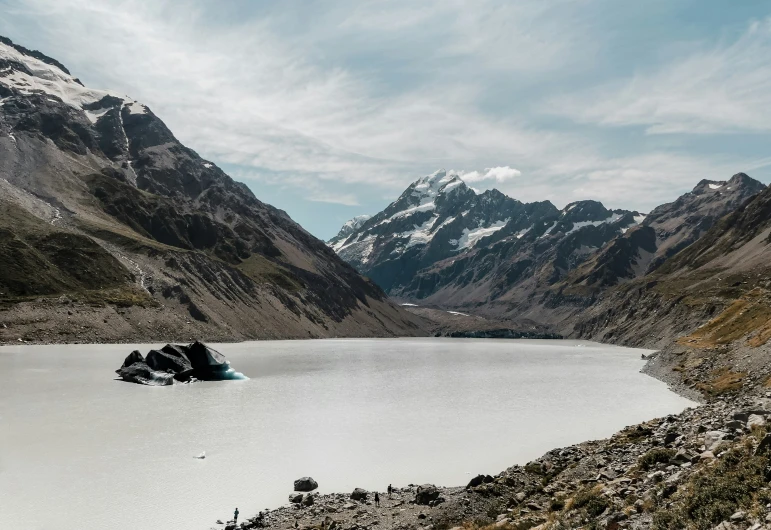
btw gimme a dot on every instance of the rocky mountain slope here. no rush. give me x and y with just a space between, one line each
111 229
709 295
436 218
668 229
529 262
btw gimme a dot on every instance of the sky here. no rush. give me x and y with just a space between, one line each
331 109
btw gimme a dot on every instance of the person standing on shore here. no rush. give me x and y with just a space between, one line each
377 500
390 491
235 516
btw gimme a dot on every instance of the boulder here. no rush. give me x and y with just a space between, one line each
163 361
712 439
305 484
426 494
359 494
683 457
744 415
671 437
307 500
755 420
476 481
295 498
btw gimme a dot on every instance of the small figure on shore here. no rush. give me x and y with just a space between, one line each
235 516
377 500
390 490
295 524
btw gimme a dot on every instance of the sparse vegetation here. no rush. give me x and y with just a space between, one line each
655 456
591 500
724 380
711 496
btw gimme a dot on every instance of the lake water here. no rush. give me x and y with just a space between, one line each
81 450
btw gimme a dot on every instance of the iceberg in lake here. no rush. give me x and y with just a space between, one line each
177 363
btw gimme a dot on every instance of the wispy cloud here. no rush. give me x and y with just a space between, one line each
348 103
721 88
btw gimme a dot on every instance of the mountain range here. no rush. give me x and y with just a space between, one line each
442 245
111 229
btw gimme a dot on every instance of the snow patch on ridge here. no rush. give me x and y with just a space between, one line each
580 224
715 186
44 78
471 237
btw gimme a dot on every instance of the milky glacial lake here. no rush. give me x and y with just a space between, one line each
79 449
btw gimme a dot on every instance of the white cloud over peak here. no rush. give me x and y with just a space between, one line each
499 174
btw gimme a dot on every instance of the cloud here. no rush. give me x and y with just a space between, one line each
252 93
724 88
349 104
498 174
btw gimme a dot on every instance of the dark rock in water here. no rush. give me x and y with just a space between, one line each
164 361
359 494
426 494
133 357
174 362
305 484
203 357
142 374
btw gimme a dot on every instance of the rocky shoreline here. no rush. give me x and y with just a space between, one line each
707 467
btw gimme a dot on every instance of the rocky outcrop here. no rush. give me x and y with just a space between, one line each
178 363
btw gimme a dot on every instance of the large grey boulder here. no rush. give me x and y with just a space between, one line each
305 484
295 498
359 494
712 439
755 420
426 494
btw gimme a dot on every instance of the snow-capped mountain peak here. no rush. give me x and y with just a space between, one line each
348 228
31 72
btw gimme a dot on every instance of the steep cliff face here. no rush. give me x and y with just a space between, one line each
100 176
